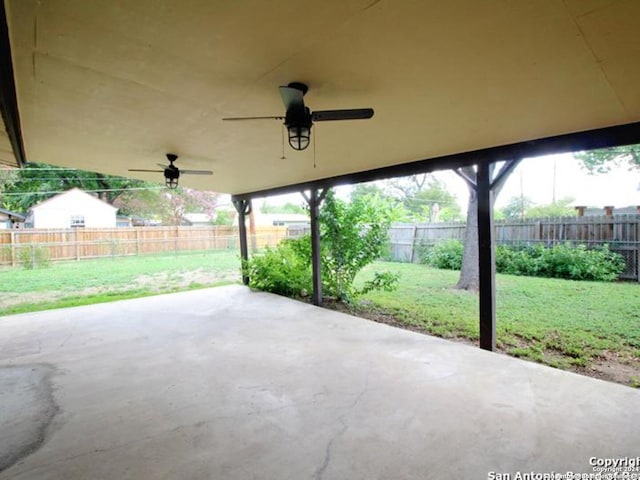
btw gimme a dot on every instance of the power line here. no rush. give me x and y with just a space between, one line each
159 187
111 179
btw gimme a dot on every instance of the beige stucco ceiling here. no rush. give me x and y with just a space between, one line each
109 85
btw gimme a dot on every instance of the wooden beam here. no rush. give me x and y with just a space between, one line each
243 207
315 199
627 134
487 290
8 100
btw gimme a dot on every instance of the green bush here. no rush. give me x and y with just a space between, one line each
285 269
31 256
560 261
353 235
446 255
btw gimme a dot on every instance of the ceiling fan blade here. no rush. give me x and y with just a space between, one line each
145 170
292 98
252 118
196 172
352 114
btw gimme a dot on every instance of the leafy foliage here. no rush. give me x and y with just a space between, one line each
602 160
523 207
353 235
38 181
33 257
560 261
446 255
288 207
285 269
20 189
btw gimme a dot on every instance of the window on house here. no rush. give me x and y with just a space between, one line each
77 221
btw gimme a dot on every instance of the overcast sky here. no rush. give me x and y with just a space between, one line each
618 188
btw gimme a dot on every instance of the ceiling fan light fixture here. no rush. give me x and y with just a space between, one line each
299 136
171 183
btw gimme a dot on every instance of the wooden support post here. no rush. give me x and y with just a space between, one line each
243 207
314 200
487 290
314 211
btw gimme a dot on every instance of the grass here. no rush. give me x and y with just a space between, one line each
67 284
561 323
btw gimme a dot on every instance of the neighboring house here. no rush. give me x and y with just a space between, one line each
608 211
197 220
10 219
72 209
123 221
279 219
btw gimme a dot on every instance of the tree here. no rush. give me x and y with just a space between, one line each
38 181
224 217
20 189
559 208
470 271
169 206
353 235
288 207
425 198
433 203
517 208
602 160
367 189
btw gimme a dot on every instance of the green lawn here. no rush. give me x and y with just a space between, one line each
91 281
562 323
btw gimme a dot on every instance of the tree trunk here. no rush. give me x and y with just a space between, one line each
470 272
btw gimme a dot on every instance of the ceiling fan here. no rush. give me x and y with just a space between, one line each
299 119
171 172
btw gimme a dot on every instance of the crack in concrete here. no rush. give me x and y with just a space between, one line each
319 473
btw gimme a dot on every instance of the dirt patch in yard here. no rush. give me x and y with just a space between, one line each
612 367
158 283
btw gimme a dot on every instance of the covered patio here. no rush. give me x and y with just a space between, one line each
229 383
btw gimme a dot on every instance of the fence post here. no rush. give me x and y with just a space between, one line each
13 248
413 242
77 244
137 241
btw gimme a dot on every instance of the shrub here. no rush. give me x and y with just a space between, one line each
285 269
560 261
353 236
33 257
445 255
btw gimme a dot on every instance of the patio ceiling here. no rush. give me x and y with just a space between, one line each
107 86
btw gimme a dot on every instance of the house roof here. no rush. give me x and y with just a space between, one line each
72 191
17 216
108 86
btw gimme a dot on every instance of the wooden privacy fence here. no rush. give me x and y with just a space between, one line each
620 232
84 243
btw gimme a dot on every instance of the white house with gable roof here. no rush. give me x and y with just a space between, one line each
72 209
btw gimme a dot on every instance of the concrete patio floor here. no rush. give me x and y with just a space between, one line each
226 383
